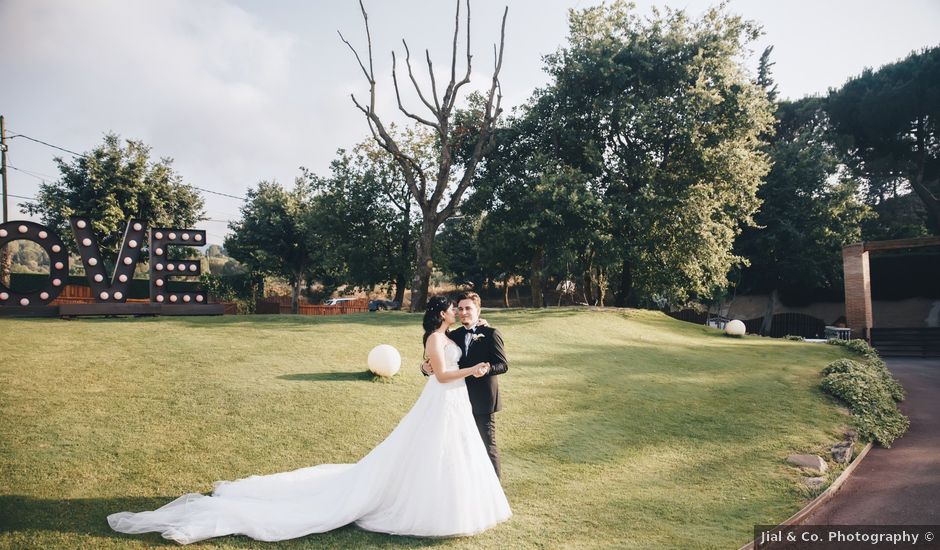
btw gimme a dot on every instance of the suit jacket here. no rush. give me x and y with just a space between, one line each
488 347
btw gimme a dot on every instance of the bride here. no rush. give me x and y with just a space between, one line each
431 477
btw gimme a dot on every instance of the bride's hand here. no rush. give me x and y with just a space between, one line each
482 323
480 369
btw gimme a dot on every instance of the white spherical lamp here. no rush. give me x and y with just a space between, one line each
735 328
384 360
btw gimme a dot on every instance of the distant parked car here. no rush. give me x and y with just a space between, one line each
383 305
338 301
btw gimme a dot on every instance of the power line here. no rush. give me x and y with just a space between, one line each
36 175
34 199
86 156
217 193
48 144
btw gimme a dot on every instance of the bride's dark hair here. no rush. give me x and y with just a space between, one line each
432 318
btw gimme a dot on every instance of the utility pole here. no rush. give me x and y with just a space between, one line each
3 169
5 257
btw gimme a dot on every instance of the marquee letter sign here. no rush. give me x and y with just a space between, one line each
58 263
109 290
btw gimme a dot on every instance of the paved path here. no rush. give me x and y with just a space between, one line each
900 485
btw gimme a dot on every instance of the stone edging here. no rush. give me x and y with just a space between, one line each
823 497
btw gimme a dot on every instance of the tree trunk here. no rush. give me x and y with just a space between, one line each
400 284
423 266
401 277
506 290
626 284
6 265
535 278
588 281
931 202
295 295
601 286
767 324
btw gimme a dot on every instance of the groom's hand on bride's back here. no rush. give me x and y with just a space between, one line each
426 368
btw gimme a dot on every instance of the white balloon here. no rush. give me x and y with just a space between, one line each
735 328
384 360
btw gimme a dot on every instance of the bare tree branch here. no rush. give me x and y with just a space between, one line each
443 109
427 55
490 115
398 95
410 166
415 82
361 66
466 77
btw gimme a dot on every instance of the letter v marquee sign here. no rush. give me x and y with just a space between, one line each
110 292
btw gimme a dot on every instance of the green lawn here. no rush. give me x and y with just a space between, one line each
619 428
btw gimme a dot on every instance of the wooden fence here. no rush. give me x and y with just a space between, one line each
78 294
281 304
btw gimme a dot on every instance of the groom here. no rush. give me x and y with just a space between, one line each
479 345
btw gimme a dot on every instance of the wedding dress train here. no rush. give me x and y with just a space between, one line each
431 477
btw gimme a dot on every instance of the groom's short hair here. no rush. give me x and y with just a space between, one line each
469 295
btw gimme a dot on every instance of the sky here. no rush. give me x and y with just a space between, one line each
239 91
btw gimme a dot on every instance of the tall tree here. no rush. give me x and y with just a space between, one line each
278 235
809 210
112 183
888 122
369 214
438 194
663 114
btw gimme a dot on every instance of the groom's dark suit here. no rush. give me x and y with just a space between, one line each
485 346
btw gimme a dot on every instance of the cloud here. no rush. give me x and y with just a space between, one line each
204 81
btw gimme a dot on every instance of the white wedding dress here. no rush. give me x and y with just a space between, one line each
431 477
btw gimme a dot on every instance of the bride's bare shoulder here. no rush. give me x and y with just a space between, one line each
436 338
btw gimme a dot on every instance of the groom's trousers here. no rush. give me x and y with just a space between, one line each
486 423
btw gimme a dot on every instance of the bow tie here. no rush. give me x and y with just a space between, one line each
472 330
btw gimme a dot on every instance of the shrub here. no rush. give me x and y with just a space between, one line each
871 394
875 368
857 345
794 337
